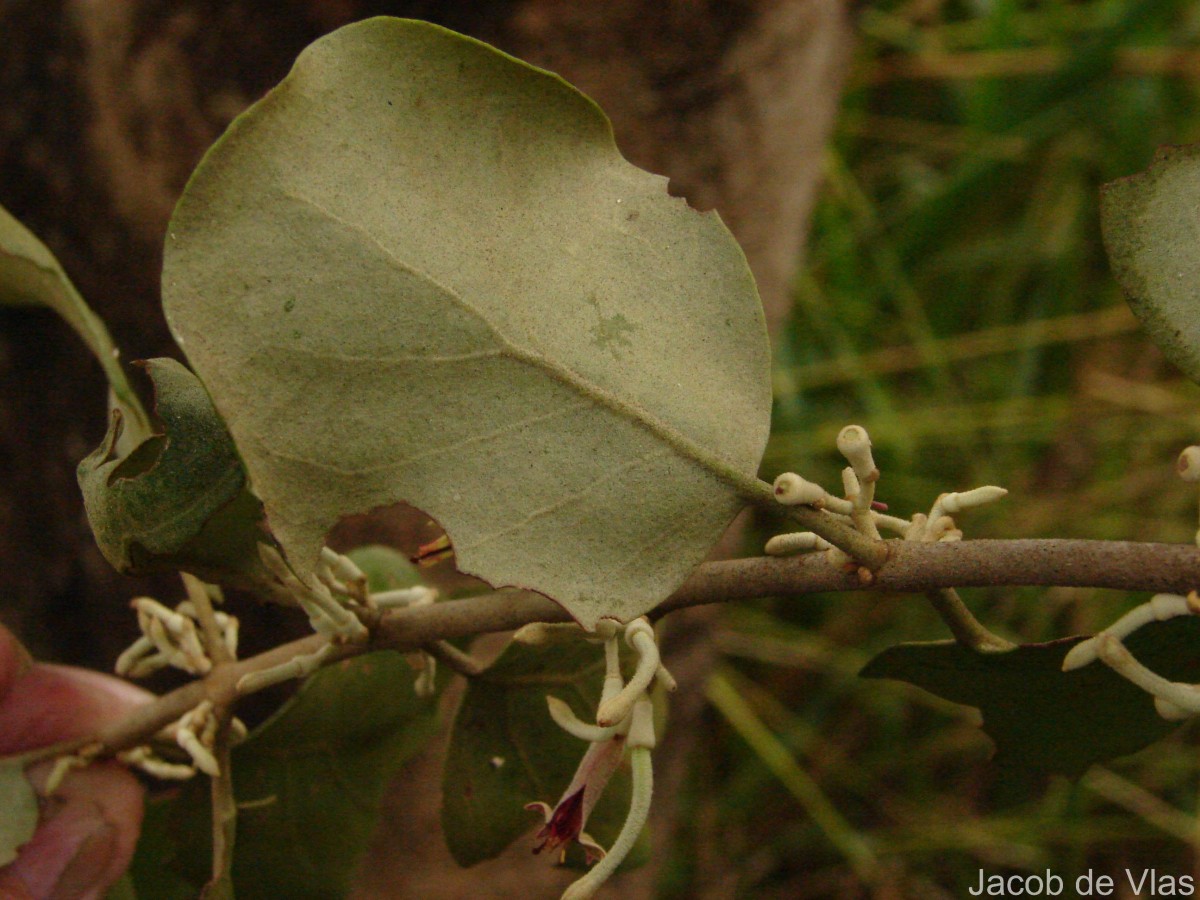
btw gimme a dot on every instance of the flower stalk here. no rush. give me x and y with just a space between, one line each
624 720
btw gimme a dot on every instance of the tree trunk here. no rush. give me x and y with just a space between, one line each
109 105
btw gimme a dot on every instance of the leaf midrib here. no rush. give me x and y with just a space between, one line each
748 487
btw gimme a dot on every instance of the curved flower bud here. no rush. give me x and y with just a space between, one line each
792 490
854 443
1188 464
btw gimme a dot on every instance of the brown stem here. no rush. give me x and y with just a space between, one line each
224 809
919 567
911 567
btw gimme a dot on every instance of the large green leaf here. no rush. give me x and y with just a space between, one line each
1041 717
29 274
309 783
179 499
20 810
420 270
505 751
1152 234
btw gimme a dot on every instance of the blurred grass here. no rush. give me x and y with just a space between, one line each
956 302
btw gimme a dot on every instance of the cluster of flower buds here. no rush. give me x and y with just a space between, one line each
176 638
859 508
333 597
173 637
938 524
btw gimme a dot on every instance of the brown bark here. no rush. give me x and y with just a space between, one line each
105 107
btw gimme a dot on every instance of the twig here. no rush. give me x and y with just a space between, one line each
224 807
911 567
967 629
457 661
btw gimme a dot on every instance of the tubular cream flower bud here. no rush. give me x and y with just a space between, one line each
325 614
665 679
1188 464
346 573
854 443
641 725
937 528
540 633
851 486
893 523
564 717
954 503
1158 608
837 557
143 757
1173 700
402 598
195 733
1170 711
792 490
62 767
796 542
128 661
916 528
640 635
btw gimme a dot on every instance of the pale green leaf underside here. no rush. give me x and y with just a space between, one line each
420 270
30 275
1152 234
20 810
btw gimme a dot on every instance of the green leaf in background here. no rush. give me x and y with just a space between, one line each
30 275
309 783
1041 717
19 806
160 867
505 751
1152 235
386 569
123 889
420 270
179 499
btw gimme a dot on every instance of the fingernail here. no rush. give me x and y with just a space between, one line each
84 871
69 855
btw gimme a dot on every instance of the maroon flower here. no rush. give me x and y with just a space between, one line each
565 823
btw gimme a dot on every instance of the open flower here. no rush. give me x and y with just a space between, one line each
566 821
624 721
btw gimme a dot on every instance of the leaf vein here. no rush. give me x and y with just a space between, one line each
746 484
559 505
486 437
